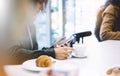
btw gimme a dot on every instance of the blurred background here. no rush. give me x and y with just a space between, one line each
61 18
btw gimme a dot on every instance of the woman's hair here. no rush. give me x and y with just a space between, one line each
115 2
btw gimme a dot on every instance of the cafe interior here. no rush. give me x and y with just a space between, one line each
73 19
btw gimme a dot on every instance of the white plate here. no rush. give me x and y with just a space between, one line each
31 65
74 56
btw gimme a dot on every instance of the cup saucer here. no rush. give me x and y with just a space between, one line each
74 56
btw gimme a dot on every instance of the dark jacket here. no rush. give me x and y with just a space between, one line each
24 46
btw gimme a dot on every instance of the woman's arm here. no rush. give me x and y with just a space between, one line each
106 32
18 54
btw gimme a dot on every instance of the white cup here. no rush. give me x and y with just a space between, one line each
64 69
80 50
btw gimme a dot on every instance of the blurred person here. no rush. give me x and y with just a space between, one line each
115 71
110 27
100 19
2 72
22 43
3 39
46 73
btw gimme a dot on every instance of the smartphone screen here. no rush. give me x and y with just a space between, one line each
67 40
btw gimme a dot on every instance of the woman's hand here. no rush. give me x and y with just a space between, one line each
114 71
62 52
58 42
46 73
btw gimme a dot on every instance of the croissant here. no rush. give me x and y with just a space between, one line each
44 61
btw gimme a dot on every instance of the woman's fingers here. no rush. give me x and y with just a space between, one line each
63 52
109 71
66 44
59 41
68 48
69 51
114 70
49 71
46 73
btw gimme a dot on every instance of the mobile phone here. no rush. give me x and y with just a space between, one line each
67 40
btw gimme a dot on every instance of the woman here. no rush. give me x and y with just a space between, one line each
99 20
22 40
110 28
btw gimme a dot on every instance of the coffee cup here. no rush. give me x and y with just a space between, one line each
79 50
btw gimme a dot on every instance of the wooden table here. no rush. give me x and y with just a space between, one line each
100 57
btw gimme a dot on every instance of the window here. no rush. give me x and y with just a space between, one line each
56 20
66 17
